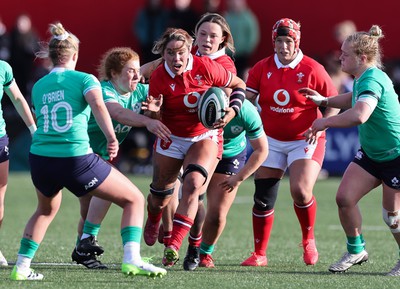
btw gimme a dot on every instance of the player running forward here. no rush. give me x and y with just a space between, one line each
63 101
213 39
182 79
286 116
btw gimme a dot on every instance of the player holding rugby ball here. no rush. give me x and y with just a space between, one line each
182 79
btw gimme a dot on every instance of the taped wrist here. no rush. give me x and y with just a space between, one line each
32 128
324 102
236 99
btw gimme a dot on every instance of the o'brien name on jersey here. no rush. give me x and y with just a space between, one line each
53 96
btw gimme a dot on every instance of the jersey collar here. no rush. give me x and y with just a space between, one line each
58 69
292 64
214 55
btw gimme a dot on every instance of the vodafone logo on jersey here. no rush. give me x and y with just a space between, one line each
191 100
281 98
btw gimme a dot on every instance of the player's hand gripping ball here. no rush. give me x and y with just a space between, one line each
211 106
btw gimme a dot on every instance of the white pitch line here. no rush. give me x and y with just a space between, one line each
62 264
364 228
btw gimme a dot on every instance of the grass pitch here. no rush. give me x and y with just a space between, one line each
285 265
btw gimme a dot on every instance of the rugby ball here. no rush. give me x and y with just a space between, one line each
211 106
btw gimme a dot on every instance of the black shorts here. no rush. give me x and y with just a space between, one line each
231 166
387 172
4 154
80 175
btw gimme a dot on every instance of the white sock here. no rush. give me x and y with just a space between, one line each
23 262
84 236
132 253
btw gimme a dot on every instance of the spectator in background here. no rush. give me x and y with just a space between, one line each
4 42
246 33
212 6
183 16
342 80
24 44
342 30
394 73
149 24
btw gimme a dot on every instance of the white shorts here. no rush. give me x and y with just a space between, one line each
177 147
283 153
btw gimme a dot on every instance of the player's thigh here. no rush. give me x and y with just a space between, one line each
303 175
203 153
165 171
355 184
219 200
118 189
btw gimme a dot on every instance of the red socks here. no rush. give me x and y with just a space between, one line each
262 227
181 227
307 215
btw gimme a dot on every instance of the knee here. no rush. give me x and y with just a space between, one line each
301 195
266 193
195 180
342 200
46 211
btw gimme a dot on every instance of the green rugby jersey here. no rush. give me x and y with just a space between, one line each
246 123
380 134
133 102
62 113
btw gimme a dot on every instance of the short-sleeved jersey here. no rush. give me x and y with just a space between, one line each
181 93
380 134
6 78
246 123
133 102
287 114
62 113
226 62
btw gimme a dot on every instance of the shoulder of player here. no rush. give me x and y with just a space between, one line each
311 63
141 92
206 61
4 66
226 61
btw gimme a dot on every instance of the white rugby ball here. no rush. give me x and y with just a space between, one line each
211 106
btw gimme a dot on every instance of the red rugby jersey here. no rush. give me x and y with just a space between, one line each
181 93
287 114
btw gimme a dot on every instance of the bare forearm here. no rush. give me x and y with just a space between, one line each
341 101
259 154
130 118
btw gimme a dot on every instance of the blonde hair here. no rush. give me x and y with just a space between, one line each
226 30
114 60
61 45
367 43
172 34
